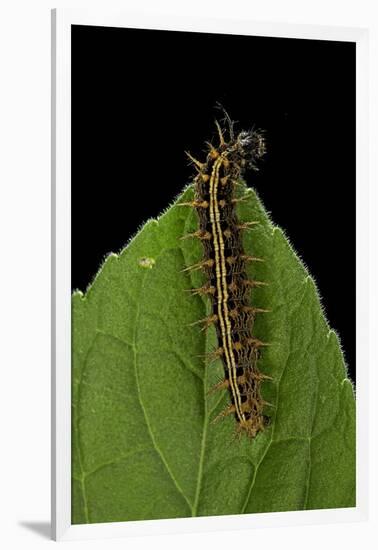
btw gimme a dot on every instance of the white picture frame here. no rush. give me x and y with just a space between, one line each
62 529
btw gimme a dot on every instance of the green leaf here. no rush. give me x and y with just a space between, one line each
144 445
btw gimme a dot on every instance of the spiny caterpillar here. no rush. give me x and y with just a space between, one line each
224 264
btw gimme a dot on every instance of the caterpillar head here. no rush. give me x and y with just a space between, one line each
250 145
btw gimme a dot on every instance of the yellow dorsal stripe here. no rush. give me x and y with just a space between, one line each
221 282
220 291
233 373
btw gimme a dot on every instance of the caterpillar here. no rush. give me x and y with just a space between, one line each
224 265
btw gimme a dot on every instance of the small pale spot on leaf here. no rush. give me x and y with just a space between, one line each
147 263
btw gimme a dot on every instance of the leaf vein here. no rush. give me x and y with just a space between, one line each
148 424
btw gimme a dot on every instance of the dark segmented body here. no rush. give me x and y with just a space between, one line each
224 264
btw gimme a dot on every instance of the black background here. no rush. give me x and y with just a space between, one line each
141 98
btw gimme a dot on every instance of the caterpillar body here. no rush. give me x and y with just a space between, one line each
224 265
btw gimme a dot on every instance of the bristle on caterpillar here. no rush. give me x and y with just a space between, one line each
224 265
